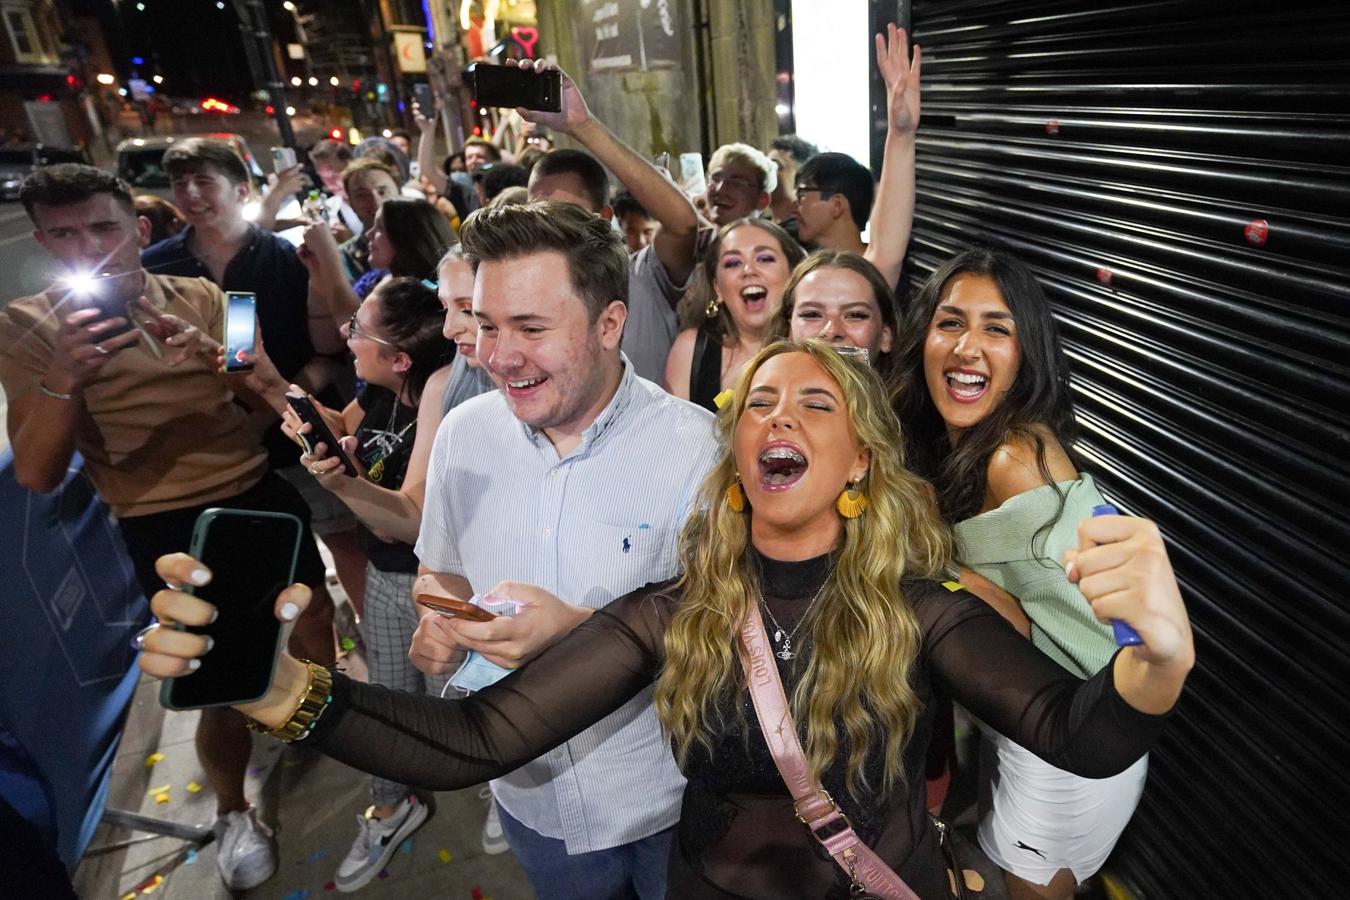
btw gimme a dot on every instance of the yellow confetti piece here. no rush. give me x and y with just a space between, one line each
953 586
162 798
724 398
444 855
159 790
129 895
152 885
152 759
193 787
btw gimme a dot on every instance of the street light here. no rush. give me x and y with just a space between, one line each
295 81
333 81
313 82
105 78
158 79
288 6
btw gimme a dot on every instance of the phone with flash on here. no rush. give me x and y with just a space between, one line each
241 328
252 556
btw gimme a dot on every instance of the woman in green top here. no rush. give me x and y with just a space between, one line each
984 398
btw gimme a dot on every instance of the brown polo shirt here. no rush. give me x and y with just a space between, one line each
154 437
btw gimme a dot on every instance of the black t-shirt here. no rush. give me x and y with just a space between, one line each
738 835
384 441
268 267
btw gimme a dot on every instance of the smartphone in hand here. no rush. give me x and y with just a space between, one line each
241 327
511 87
319 432
453 608
252 556
426 100
283 158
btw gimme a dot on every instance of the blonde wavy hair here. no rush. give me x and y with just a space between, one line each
865 636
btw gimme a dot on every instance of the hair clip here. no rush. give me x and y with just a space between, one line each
859 354
431 285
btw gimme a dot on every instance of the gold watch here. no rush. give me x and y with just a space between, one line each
313 702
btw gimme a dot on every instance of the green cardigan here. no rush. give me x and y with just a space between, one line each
999 545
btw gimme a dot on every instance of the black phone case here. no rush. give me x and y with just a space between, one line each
508 87
320 433
199 534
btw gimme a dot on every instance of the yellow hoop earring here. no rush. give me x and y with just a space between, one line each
851 503
736 498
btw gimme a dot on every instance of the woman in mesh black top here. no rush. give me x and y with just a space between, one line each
864 637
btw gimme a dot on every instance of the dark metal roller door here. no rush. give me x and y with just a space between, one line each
1178 174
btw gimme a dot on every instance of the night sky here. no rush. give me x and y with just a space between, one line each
195 45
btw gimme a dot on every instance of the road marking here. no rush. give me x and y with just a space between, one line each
14 239
13 217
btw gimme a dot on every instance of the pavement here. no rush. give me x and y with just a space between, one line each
309 800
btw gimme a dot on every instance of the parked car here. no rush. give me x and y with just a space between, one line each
18 160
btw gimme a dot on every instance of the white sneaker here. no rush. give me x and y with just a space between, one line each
246 852
494 842
376 841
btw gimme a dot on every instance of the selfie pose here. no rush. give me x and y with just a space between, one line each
811 517
984 396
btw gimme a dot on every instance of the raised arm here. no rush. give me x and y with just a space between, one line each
893 212
42 423
426 741
674 244
1093 728
426 147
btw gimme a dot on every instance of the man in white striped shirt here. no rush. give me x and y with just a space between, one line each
573 479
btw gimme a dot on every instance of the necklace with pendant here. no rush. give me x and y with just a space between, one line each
785 651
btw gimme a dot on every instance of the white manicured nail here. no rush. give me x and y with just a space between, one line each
289 611
200 577
194 664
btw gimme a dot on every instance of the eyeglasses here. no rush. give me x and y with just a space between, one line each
354 331
825 193
717 180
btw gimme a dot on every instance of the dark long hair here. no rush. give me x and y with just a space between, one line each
886 364
412 317
1039 399
419 234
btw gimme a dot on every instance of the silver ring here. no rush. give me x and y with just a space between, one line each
138 640
101 349
314 470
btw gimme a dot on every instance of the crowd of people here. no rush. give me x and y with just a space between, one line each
628 420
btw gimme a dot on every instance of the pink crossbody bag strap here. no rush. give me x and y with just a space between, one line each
814 806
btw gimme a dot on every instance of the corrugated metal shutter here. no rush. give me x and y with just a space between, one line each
1178 174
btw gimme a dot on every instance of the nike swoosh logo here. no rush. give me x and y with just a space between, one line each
1032 849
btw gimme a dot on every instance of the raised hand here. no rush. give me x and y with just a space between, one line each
424 123
188 339
1121 566
82 350
575 113
901 77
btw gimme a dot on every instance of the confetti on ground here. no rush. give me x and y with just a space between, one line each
406 847
444 855
318 855
476 894
152 759
191 856
162 798
254 771
129 895
348 643
384 873
329 886
297 894
193 787
150 885
159 790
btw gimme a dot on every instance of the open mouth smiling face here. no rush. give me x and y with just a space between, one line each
794 444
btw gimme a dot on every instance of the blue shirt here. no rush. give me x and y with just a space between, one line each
590 527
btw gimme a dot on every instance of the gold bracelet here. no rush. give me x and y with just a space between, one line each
318 694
